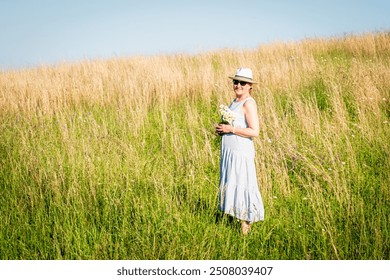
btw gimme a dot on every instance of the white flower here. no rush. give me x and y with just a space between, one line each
226 114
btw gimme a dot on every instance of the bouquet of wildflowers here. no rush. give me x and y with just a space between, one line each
227 115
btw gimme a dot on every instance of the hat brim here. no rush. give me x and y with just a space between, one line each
244 79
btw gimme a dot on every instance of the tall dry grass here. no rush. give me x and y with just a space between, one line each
118 159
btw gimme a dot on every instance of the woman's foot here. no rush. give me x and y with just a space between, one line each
245 227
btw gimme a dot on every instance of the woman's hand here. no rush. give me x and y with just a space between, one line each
223 129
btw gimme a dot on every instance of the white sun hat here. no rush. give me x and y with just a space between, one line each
244 74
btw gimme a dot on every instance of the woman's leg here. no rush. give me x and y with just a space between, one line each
245 227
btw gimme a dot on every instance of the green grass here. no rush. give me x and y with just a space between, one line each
95 190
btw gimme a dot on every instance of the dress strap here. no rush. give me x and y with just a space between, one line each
245 100
249 98
241 103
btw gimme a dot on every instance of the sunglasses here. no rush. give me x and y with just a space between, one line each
235 82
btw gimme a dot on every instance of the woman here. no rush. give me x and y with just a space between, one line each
239 193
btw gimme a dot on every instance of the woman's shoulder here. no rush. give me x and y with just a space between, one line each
250 106
248 101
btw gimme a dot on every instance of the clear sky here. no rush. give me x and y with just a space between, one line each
38 32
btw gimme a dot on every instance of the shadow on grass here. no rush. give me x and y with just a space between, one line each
227 220
202 207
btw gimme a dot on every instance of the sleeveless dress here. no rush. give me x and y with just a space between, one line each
239 193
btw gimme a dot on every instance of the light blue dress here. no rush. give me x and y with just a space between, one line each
239 193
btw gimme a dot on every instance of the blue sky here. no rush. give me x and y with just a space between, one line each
39 32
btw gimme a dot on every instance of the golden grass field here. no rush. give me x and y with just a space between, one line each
117 159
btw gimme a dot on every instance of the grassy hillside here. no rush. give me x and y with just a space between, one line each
118 159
